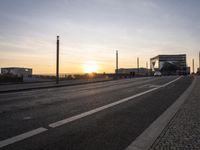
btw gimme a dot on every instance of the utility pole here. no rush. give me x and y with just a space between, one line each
138 65
199 61
147 65
57 61
116 63
193 65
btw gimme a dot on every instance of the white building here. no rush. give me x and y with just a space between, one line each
25 72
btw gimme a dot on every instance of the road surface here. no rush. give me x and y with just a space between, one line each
8 88
99 116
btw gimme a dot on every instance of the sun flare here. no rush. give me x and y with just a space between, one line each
90 67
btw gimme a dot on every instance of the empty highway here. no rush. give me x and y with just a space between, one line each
98 116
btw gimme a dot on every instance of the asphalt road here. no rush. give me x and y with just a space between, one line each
99 116
8 88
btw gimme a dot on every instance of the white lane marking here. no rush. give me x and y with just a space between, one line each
148 86
166 84
27 118
67 120
142 86
31 133
153 86
22 136
146 139
79 116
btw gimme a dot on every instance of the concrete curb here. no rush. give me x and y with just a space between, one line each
148 137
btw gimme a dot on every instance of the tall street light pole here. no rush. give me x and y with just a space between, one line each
199 61
147 68
57 61
138 64
193 65
147 65
116 63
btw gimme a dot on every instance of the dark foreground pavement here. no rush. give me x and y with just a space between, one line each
113 128
183 131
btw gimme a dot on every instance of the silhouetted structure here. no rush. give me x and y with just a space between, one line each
198 69
170 64
57 61
17 71
138 64
116 71
199 59
193 66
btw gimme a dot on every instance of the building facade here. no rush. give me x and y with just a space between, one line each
169 64
20 72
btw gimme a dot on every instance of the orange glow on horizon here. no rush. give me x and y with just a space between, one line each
90 67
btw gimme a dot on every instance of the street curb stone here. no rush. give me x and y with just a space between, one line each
148 137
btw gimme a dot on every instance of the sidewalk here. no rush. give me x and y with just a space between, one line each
183 131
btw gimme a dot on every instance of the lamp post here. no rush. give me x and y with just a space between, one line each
57 61
199 61
138 65
116 63
193 65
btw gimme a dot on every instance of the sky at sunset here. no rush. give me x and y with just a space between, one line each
92 30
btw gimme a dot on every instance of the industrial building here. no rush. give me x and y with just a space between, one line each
20 72
170 64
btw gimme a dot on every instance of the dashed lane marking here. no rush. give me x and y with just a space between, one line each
31 133
79 116
22 136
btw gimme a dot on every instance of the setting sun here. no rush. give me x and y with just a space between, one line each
90 67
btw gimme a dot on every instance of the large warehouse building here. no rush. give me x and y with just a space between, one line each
170 64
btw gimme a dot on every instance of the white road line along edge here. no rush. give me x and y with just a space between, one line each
148 137
70 119
22 136
31 133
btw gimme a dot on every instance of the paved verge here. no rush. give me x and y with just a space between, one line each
183 131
